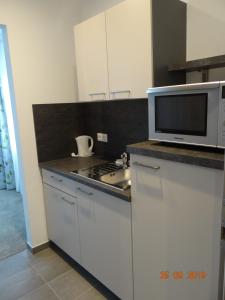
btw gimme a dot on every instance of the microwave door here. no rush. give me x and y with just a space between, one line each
182 114
190 118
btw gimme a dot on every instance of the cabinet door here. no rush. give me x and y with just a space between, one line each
62 222
114 247
176 214
129 46
87 227
105 231
91 59
148 231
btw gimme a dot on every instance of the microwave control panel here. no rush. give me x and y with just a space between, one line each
221 127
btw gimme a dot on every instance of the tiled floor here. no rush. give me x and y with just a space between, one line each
44 276
12 224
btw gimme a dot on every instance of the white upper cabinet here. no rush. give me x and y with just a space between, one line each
128 27
114 52
91 59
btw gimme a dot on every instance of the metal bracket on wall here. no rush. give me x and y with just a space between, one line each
205 75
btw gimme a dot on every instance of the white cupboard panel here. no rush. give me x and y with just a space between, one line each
91 58
60 182
176 215
105 235
129 46
62 221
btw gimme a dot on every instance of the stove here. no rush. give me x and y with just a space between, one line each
108 173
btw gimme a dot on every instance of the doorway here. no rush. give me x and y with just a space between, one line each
12 220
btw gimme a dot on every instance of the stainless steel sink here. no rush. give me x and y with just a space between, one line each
108 173
119 178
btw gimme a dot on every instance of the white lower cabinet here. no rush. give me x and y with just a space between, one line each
62 221
176 222
94 228
105 237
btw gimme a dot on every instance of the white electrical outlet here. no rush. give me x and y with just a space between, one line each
105 137
102 137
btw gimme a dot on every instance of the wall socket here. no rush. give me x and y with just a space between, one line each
102 137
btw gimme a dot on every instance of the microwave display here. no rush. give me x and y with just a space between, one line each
182 114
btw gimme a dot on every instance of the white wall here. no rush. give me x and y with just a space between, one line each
40 35
205 34
205 28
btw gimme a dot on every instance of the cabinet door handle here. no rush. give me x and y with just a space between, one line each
59 180
97 94
120 92
67 201
84 192
146 166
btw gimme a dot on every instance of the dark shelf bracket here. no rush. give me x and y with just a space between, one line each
205 75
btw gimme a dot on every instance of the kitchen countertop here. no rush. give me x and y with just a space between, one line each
66 165
200 156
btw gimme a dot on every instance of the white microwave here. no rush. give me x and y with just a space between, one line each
188 114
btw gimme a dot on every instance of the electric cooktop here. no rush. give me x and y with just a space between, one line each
108 173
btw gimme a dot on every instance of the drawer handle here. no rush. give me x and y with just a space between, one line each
59 180
84 192
146 166
97 94
120 92
67 201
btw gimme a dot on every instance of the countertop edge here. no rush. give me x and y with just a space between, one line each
176 157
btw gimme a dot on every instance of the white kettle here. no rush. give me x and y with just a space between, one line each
84 149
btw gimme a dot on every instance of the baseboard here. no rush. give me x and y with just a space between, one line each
38 248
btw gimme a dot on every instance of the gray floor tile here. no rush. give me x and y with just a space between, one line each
70 285
12 224
43 293
14 264
49 265
20 284
41 256
92 294
24 277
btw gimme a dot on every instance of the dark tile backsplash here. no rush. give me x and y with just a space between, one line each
56 126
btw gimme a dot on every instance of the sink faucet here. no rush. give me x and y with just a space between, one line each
124 158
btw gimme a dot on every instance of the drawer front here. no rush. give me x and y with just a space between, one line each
84 190
60 182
